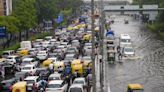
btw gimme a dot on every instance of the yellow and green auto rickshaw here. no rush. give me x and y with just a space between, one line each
24 52
19 87
135 88
47 62
87 37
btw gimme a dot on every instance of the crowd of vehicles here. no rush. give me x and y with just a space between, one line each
57 63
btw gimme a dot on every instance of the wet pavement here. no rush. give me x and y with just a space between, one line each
147 70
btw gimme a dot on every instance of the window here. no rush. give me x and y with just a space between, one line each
75 90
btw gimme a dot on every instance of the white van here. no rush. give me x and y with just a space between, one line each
125 40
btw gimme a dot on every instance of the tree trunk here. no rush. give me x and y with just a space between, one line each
27 36
20 36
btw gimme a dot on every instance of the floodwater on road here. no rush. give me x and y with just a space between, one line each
148 70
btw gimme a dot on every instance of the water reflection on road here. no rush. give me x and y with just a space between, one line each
148 70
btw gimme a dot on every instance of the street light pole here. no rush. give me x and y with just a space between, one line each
93 46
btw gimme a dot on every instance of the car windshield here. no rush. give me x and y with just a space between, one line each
125 40
30 81
78 82
75 90
9 57
25 62
128 50
7 84
26 68
54 85
86 58
5 53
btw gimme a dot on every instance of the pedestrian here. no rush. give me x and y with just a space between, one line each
118 49
120 56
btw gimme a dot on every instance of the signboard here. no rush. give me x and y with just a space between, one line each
59 19
3 32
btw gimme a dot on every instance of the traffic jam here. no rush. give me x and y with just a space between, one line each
57 63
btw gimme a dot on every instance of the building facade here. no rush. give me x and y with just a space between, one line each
5 7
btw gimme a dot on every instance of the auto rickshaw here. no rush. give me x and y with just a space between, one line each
78 68
24 52
47 62
87 65
58 65
75 62
69 28
19 87
111 55
87 37
135 88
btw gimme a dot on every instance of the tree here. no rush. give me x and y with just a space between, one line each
25 12
11 23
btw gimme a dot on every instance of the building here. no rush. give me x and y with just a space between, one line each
5 7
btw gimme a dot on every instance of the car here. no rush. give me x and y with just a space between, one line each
57 86
48 38
6 85
33 51
43 73
13 59
7 53
87 50
124 40
80 80
128 51
42 55
70 57
72 50
55 76
77 88
75 43
32 81
26 61
21 75
126 21
30 68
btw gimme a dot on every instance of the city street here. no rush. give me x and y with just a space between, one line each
147 68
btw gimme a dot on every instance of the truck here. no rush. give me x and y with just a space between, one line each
26 44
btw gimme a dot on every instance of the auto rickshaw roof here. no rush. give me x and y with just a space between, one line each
20 84
76 61
135 86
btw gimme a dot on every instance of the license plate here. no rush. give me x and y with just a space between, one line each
29 88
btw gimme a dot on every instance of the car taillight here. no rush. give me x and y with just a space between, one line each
10 87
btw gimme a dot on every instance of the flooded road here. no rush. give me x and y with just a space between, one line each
148 70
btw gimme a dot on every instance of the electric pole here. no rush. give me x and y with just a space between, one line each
93 46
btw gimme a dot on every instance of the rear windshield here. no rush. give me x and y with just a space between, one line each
125 40
5 53
54 85
75 90
26 68
30 81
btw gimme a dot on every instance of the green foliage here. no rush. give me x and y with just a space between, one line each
25 12
10 22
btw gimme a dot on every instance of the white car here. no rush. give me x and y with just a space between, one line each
42 55
33 51
27 61
77 88
57 86
13 59
31 68
128 51
125 40
55 76
80 81
31 80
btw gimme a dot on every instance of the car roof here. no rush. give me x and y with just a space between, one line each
28 59
29 65
56 82
76 86
125 36
9 80
31 77
55 75
80 78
